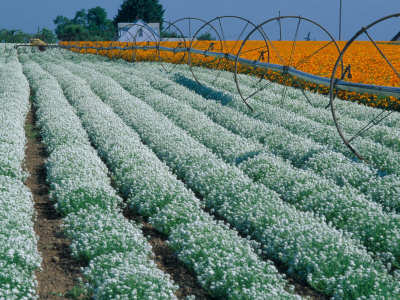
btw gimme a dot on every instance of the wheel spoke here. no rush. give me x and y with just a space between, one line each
223 34
255 49
275 50
369 126
375 121
259 90
294 43
383 55
311 55
238 39
200 41
190 33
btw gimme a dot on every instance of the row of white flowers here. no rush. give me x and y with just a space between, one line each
302 152
117 252
328 259
14 94
346 209
296 103
19 256
383 157
225 264
382 188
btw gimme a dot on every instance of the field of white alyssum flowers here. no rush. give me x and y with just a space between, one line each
162 139
237 198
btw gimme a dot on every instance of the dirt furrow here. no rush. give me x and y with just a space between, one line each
58 278
167 261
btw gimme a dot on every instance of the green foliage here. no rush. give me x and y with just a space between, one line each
205 37
172 34
78 291
147 10
46 35
18 36
91 25
72 32
14 36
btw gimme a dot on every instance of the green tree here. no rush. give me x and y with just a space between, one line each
147 10
14 36
206 37
80 18
97 18
46 35
86 25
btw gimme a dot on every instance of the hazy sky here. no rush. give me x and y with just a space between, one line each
29 14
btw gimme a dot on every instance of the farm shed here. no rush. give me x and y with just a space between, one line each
138 31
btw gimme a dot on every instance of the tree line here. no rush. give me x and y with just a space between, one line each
91 24
20 37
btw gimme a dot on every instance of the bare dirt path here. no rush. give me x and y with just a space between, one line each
60 272
167 261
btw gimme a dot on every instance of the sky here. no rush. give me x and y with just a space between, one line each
28 15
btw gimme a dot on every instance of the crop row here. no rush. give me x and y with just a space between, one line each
378 154
329 260
379 232
302 152
117 253
19 257
225 264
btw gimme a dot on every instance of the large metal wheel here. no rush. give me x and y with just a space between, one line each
229 33
205 40
184 30
232 30
283 41
375 82
145 43
173 38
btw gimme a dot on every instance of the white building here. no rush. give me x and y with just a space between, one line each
139 31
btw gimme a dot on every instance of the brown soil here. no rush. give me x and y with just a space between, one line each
167 261
60 272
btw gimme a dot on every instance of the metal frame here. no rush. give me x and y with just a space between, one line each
202 51
286 69
223 45
361 88
182 40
